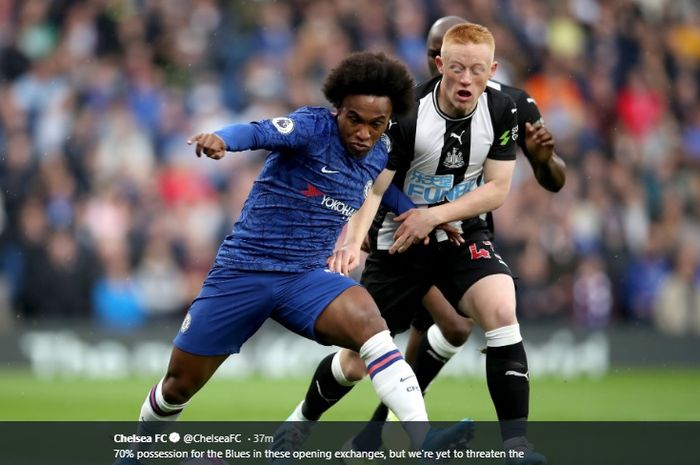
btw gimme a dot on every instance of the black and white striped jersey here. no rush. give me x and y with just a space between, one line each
438 159
528 111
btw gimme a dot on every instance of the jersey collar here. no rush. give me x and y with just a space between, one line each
441 113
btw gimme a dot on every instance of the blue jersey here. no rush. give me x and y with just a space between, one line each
306 192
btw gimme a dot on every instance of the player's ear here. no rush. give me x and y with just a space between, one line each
494 66
439 63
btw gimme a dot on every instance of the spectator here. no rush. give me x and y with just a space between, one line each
97 98
677 308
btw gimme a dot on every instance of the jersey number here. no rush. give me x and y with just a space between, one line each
478 253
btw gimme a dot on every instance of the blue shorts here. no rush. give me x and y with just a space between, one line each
233 304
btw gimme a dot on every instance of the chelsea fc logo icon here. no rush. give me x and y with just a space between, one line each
186 323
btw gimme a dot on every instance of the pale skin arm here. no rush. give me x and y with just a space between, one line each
347 257
418 222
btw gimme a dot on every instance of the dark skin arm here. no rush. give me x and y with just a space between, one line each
210 145
548 167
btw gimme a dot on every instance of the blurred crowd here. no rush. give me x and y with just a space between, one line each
107 214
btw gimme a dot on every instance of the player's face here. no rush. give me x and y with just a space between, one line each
361 121
434 45
465 68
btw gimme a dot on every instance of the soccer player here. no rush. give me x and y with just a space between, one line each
458 155
430 345
321 169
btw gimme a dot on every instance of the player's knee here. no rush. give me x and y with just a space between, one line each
457 331
453 336
503 314
352 365
177 390
368 323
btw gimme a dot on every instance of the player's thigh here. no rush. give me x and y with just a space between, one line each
415 336
230 308
397 285
327 307
445 316
479 284
491 301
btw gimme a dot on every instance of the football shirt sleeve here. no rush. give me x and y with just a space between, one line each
400 148
528 112
505 132
290 132
396 201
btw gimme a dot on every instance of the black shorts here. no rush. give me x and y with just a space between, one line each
398 282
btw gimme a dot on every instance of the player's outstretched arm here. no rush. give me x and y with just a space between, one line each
347 257
549 168
417 223
233 138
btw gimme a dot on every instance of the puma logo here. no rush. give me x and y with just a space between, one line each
517 373
458 137
327 399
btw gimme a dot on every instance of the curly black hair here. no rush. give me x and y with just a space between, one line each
367 73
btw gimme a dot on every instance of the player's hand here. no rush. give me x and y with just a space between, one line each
453 234
365 245
344 260
209 144
539 141
416 224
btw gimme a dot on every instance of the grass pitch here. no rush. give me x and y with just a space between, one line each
623 395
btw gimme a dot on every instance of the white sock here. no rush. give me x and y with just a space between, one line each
337 370
297 415
156 415
440 345
395 383
503 336
155 407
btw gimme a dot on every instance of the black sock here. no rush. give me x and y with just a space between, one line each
324 391
427 364
507 377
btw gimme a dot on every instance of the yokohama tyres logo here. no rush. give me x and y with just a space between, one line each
329 202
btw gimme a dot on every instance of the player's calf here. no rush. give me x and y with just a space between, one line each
433 353
508 379
328 385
